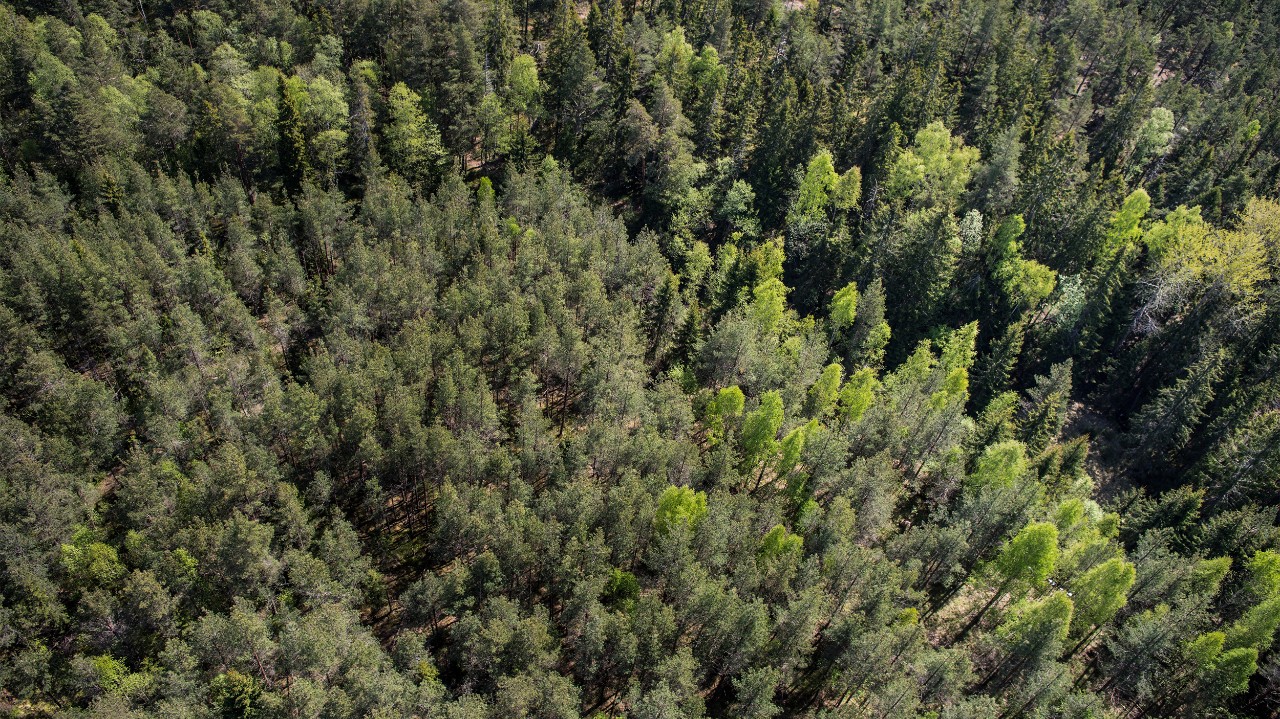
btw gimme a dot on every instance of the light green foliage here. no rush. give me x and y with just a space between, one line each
959 349
494 125
791 446
1025 283
1109 525
728 402
236 694
768 305
1206 576
1069 514
760 428
413 144
848 190
737 208
1101 592
1154 137
1205 649
1179 228
1257 628
816 189
844 306
1036 623
956 356
1000 464
523 85
111 672
779 543
621 587
1030 556
1261 217
858 393
1189 253
90 562
764 261
673 60
877 339
1231 672
918 367
934 170
1263 570
824 393
1125 226
49 77
114 677
954 391
326 112
303 305
680 506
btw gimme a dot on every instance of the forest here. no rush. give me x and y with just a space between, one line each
640 359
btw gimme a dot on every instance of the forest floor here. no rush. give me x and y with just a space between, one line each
1105 449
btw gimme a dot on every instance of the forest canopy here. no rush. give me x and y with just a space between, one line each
905 359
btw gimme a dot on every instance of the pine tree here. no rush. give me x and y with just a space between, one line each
364 158
1165 425
870 333
994 425
570 98
995 368
995 184
1244 466
294 164
1032 636
1048 400
1107 281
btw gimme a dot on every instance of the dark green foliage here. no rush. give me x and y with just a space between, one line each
718 358
294 166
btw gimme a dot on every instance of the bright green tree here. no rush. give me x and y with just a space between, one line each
680 506
826 391
412 143
1024 563
1098 594
760 431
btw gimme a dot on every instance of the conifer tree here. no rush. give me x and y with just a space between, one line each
1164 426
1048 401
1243 466
294 165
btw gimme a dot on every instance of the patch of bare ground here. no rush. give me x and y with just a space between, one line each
952 616
1105 449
